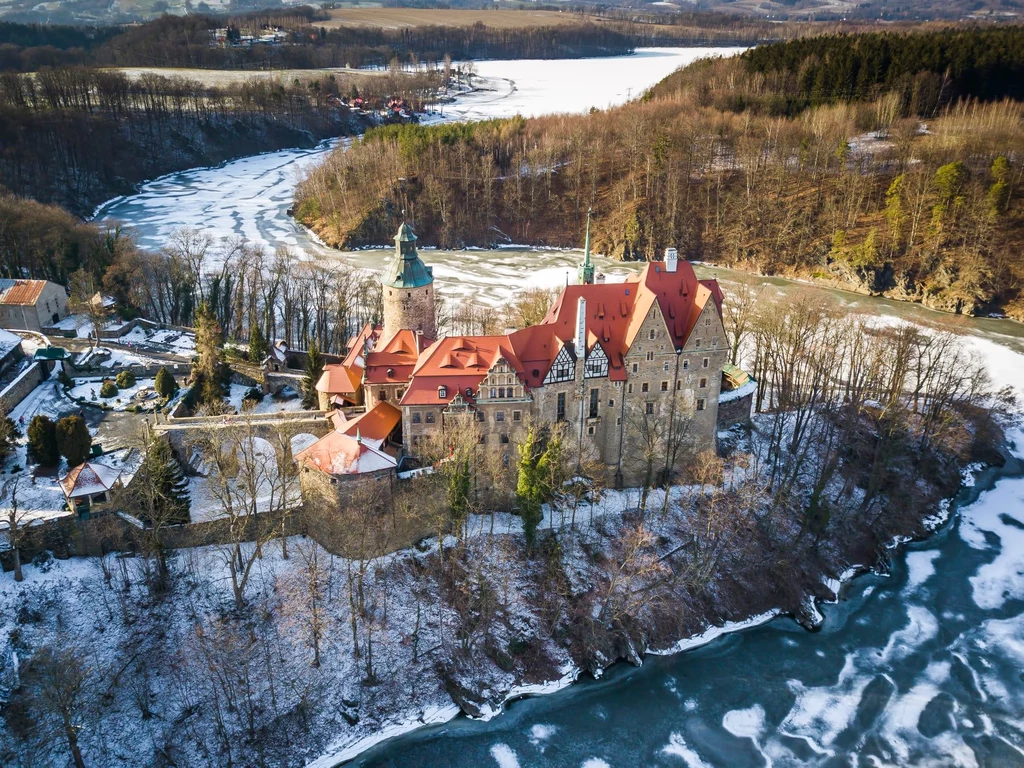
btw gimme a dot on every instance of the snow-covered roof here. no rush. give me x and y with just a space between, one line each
102 474
8 343
735 394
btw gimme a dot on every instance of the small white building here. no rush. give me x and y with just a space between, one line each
31 305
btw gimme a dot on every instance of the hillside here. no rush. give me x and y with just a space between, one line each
904 183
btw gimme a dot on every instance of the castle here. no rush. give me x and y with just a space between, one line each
618 363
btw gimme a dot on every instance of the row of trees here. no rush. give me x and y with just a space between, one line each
853 193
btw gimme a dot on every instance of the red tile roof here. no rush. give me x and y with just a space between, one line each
339 379
340 454
393 362
376 424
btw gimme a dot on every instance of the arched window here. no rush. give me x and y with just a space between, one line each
494 392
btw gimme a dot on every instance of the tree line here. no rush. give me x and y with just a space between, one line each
906 194
79 135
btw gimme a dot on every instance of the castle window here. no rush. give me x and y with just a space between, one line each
699 341
707 322
494 393
504 438
479 415
705 363
666 367
686 365
416 417
594 395
701 403
650 409
611 403
499 415
629 388
679 385
430 417
590 430
635 367
645 387
383 396
664 386
560 410
517 415
442 392
653 335
650 356
703 383
391 373
501 392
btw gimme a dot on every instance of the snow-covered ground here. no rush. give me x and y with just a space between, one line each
142 394
269 404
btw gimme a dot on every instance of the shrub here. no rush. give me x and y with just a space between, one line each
42 441
65 379
109 388
125 379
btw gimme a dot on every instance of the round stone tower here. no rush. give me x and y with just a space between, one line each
408 289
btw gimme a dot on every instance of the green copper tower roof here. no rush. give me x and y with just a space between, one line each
585 274
406 269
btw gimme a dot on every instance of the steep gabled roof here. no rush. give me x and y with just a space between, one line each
375 425
339 379
457 363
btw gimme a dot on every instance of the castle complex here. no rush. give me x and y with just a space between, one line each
619 363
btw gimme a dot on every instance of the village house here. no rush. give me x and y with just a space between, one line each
31 305
614 362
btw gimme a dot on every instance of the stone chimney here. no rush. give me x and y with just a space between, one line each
671 259
581 328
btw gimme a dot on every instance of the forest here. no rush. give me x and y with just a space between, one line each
77 136
905 182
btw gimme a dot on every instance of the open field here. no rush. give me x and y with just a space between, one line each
222 77
398 18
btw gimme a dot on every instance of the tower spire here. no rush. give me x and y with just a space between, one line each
586 270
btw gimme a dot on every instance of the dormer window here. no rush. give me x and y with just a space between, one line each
442 392
391 373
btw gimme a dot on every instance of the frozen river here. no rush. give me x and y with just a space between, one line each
250 197
923 667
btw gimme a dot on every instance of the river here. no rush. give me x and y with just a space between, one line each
923 666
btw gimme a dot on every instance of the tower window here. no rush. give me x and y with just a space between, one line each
594 395
560 411
703 382
644 387
499 415
664 386
650 409
430 417
705 363
686 365
701 403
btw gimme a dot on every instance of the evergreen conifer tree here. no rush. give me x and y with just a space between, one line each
314 367
258 348
42 441
73 439
529 488
165 384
